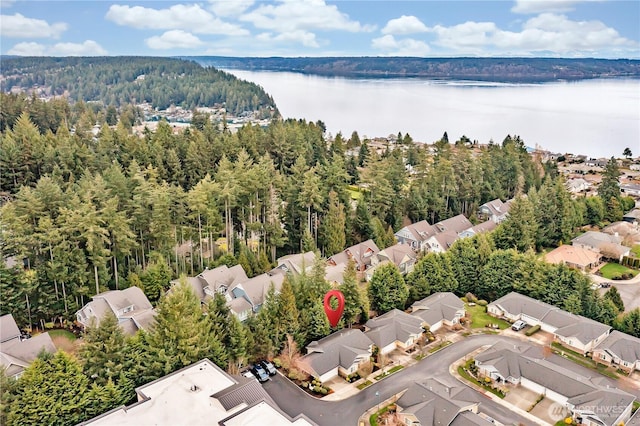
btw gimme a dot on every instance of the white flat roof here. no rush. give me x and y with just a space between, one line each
183 397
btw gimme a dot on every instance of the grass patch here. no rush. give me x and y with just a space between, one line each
390 372
419 357
463 373
373 419
62 333
636 250
440 346
611 270
480 319
578 358
364 385
636 406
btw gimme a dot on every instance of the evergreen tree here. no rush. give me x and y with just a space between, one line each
387 289
102 353
356 303
609 185
519 229
332 228
50 392
629 323
613 295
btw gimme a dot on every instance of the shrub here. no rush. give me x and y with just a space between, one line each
471 297
277 363
482 302
532 330
464 299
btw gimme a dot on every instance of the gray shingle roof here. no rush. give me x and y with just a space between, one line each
8 328
17 354
421 231
621 345
527 361
246 391
393 326
258 287
456 224
613 402
297 263
438 306
565 323
397 253
341 348
434 403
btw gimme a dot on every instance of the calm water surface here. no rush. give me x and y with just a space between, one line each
598 118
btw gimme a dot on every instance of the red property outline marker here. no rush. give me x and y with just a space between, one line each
333 314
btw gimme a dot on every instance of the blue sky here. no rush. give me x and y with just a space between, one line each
556 28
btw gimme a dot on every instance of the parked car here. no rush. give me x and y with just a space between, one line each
268 367
605 285
248 374
260 373
518 325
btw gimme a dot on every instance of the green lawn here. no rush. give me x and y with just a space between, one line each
62 333
480 319
636 250
611 270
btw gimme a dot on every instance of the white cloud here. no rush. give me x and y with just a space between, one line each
400 47
293 15
6 3
539 6
174 39
28 49
19 26
229 7
88 48
298 36
544 33
177 17
404 25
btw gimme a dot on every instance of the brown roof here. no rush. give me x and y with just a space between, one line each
574 255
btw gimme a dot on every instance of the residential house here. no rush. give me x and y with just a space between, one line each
574 257
438 309
577 332
244 295
526 366
220 280
394 330
632 217
455 224
17 353
130 306
494 210
630 189
334 274
434 403
442 241
295 263
610 246
416 235
401 255
634 167
486 226
201 393
361 254
340 353
577 185
600 163
249 296
619 349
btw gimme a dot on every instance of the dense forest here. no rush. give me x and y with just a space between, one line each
119 81
82 214
480 69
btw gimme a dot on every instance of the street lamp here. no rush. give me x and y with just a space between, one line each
378 395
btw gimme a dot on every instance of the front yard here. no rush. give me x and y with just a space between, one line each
480 318
611 271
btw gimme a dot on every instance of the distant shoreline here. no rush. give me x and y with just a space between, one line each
501 70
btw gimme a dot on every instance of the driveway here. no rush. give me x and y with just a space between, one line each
295 401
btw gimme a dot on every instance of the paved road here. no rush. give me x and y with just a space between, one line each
629 290
294 400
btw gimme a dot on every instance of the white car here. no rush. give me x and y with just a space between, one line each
518 325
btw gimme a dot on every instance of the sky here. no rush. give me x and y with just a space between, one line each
290 28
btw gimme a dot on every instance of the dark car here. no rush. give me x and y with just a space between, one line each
260 373
268 367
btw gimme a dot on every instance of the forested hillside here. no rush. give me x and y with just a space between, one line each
82 214
119 81
489 69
